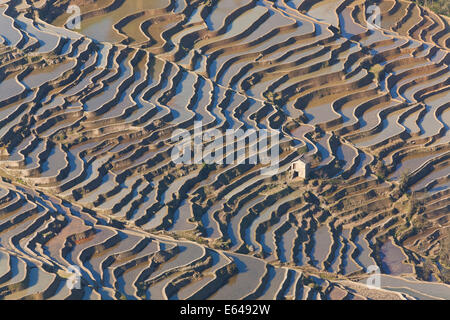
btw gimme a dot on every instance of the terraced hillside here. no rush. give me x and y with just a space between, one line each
87 116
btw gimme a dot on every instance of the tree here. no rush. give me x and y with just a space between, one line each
404 180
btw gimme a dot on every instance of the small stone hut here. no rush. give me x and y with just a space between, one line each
300 169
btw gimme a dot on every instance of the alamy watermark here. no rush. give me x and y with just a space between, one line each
74 280
374 17
374 279
73 22
236 146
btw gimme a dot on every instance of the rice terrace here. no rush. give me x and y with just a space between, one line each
224 149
